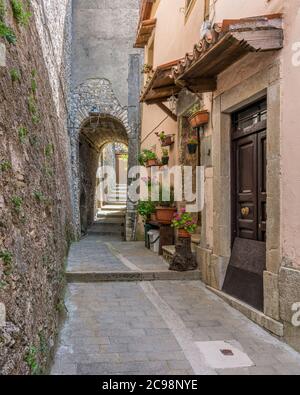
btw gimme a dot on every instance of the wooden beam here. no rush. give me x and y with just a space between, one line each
167 111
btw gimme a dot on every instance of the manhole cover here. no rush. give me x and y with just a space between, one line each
224 354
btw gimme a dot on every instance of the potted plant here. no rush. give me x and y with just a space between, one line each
145 209
192 145
165 157
198 117
148 158
147 68
165 139
165 209
185 224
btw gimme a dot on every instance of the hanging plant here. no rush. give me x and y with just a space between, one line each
192 145
197 117
166 140
147 68
165 157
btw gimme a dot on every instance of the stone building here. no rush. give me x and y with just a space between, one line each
239 63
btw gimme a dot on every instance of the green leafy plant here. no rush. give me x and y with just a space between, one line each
21 15
61 307
193 140
33 82
184 220
49 150
7 259
15 75
32 361
32 106
162 136
147 68
194 109
44 346
39 196
166 197
145 209
17 202
22 132
5 165
165 153
7 33
145 156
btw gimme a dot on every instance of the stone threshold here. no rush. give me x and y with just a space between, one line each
95 277
254 315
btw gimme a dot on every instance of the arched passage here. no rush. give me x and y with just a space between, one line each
96 131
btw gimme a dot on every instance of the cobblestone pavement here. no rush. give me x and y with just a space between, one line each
159 327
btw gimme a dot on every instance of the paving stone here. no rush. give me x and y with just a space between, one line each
119 328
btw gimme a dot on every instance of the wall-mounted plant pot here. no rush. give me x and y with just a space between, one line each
165 215
200 118
184 234
165 160
192 148
151 163
168 141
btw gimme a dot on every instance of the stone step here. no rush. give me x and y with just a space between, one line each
116 220
95 277
117 206
107 228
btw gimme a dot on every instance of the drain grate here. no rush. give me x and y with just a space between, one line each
227 353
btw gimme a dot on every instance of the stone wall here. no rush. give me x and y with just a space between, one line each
35 209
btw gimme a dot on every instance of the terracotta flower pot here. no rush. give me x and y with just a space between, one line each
168 140
192 148
184 234
199 118
151 162
165 215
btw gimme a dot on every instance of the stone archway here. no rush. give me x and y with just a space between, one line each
96 118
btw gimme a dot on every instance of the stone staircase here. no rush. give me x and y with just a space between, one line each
117 196
110 222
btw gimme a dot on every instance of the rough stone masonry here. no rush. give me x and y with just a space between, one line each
35 204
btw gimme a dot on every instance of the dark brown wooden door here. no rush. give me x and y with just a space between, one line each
250 187
244 278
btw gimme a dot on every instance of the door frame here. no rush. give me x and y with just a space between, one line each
216 256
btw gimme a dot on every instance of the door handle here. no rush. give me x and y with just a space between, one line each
245 211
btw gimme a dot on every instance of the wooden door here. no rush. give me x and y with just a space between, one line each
244 278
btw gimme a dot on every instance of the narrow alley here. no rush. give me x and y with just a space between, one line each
128 314
149 188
